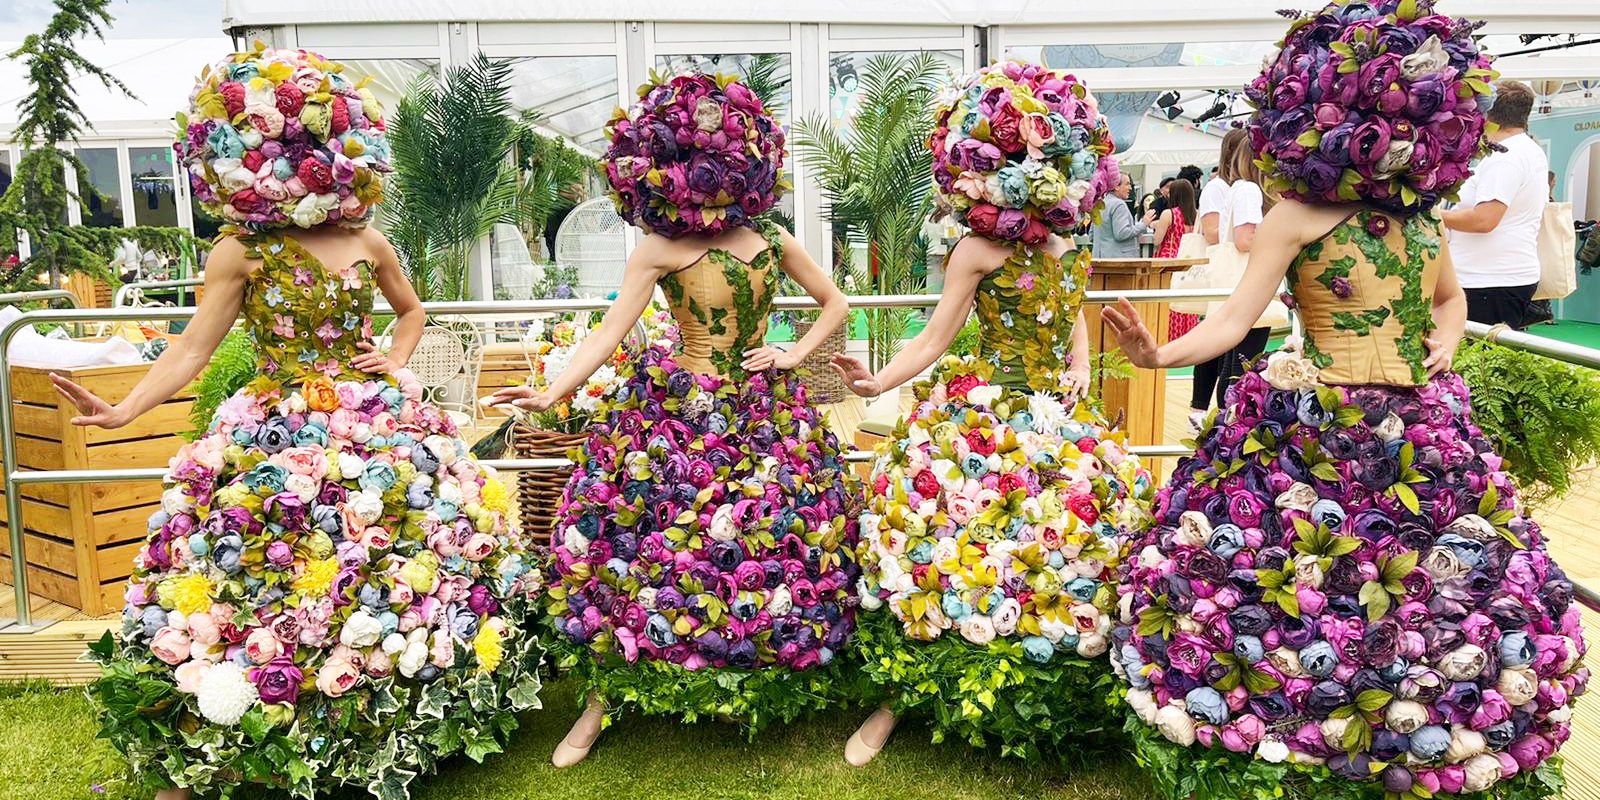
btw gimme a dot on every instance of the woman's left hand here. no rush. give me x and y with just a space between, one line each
764 358
1077 383
1441 351
374 360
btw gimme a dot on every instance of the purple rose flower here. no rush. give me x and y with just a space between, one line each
278 681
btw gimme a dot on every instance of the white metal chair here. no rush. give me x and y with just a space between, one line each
446 362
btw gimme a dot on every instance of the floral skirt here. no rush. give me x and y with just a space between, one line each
330 594
1343 589
704 555
989 552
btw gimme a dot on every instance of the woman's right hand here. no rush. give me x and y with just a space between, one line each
524 397
96 412
1137 343
857 377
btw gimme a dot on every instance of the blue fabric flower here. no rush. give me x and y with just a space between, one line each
227 552
1206 705
1328 513
922 553
311 434
1037 649
1083 589
198 545
659 631
1013 186
1429 742
378 476
1226 540
265 475
975 466
1248 649
1517 649
1319 658
273 435
423 459
954 607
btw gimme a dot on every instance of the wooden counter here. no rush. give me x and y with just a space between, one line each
1140 401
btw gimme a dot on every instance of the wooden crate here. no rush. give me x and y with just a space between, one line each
81 538
504 364
91 293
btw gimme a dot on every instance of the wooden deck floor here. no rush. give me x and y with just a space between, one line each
1570 525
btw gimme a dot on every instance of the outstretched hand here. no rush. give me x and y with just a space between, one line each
1137 343
523 397
95 412
374 360
857 377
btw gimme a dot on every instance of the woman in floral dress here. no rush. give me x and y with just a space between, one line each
989 540
704 558
1343 597
330 593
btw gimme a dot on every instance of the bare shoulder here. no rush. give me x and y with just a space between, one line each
376 242
978 255
228 257
1306 222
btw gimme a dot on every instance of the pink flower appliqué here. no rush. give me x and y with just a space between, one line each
1025 281
283 325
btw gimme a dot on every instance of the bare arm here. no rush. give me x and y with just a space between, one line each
1481 218
1244 237
955 303
1162 225
645 267
409 316
1281 240
226 272
1449 315
1211 227
799 265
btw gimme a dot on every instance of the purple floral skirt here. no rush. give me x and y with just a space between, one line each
708 525
1345 575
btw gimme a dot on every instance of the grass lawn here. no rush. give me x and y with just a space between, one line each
48 751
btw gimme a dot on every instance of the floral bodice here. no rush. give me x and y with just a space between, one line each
1364 292
305 318
1027 309
721 304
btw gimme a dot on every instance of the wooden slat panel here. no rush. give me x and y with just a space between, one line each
41 421
112 384
139 453
43 551
43 518
162 421
115 563
43 582
53 653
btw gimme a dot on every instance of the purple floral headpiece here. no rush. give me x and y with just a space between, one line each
698 154
275 138
1020 150
1380 101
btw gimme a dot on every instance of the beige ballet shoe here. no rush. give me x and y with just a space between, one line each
575 746
173 794
869 739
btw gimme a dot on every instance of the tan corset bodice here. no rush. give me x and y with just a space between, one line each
721 304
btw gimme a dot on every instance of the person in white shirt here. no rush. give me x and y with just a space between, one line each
1494 229
1214 197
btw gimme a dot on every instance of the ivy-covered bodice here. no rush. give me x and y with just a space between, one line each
1027 309
1364 292
305 318
721 304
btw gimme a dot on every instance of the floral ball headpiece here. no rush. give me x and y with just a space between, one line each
1020 151
275 138
698 154
1375 100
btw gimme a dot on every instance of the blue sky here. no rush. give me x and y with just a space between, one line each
135 19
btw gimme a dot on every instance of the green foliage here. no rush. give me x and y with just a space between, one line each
553 175
992 696
48 119
877 180
1196 773
453 176
752 698
966 341
232 366
1542 415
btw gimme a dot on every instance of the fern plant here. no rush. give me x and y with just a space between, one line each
876 177
454 178
232 366
1543 416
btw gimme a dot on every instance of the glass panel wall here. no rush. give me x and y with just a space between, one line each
154 196
100 189
574 95
389 78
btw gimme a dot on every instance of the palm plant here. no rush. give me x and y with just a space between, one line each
876 177
454 178
553 175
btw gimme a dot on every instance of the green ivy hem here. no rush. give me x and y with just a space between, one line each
992 697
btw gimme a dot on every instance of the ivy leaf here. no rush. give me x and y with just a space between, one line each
255 725
1376 600
1373 699
1407 497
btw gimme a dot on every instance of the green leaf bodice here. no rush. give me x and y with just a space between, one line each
1027 309
1364 292
721 304
305 318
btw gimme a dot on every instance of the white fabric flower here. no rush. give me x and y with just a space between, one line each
1272 751
225 694
1175 724
781 601
1405 716
361 630
1464 744
723 528
1464 663
175 502
1143 704
1093 645
1391 428
1006 616
368 506
412 658
1194 530
575 542
1473 526
977 628
1290 371
1428 59
1482 771
1518 685
984 395
394 644
1298 497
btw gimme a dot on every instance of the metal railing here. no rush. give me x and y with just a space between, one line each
41 295
127 290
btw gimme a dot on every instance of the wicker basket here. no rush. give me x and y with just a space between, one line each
539 491
822 381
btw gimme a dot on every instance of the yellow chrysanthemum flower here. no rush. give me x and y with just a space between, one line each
317 578
495 497
488 649
190 594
